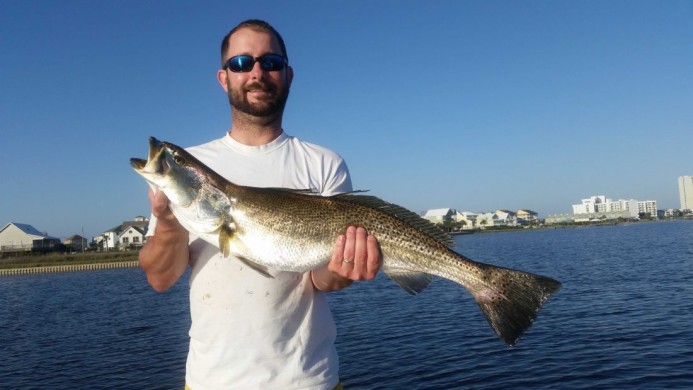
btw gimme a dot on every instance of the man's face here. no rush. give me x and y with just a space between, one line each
258 93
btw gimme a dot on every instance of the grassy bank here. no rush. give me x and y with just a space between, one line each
53 259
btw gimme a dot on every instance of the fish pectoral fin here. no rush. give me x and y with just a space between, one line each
225 237
411 282
264 271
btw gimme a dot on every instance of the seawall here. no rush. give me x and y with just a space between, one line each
68 268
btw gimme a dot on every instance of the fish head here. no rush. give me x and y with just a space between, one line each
171 169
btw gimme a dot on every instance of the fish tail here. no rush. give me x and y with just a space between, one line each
511 299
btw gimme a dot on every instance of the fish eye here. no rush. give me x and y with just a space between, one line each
178 159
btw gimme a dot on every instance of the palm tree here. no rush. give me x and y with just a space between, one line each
104 242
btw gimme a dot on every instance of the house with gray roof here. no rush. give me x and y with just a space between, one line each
76 243
127 235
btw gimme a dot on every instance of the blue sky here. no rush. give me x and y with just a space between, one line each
474 105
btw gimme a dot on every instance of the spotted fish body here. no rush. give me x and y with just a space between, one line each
293 230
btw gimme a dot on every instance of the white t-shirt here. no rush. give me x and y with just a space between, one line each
249 331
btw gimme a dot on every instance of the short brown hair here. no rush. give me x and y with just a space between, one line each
255 24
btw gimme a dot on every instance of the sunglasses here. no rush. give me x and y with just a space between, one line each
245 63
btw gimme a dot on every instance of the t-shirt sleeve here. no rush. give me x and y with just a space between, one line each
338 179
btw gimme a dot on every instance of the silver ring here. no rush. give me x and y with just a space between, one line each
345 261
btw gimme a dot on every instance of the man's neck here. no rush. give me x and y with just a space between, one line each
255 136
254 131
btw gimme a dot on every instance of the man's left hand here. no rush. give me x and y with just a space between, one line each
356 256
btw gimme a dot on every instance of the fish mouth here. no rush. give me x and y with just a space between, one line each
138 164
155 162
155 148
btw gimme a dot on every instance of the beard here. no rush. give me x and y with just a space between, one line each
268 108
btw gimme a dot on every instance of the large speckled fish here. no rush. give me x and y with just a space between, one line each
293 230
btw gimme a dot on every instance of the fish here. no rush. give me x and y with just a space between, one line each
295 230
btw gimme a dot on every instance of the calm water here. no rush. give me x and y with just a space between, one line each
622 320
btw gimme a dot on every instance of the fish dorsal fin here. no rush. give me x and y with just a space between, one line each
425 226
305 191
411 282
302 191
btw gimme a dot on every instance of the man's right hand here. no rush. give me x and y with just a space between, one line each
164 215
159 203
165 256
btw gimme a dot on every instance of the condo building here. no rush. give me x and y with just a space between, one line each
601 204
686 192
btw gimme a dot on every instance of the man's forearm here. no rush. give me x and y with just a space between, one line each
164 259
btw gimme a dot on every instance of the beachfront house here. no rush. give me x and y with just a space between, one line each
505 218
439 216
76 243
527 217
466 219
484 220
496 218
22 237
132 237
127 235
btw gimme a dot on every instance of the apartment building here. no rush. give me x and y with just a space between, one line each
600 204
686 192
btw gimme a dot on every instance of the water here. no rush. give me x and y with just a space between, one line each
91 330
622 320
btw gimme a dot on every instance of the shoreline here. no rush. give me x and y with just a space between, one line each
39 269
554 226
25 264
22 264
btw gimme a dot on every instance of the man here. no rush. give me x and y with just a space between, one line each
249 331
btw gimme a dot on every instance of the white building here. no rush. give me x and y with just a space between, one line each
505 218
129 234
496 218
594 204
468 218
525 216
485 219
648 207
132 237
601 205
22 237
686 192
439 215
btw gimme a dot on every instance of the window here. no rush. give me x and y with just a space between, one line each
126 240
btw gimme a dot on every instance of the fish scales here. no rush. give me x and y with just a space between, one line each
304 221
292 230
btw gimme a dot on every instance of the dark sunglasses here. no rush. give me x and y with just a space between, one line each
245 63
